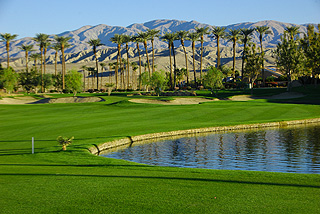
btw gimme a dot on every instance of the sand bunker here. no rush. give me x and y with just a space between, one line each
31 100
176 101
189 101
18 100
282 96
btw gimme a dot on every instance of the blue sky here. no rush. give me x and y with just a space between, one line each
28 17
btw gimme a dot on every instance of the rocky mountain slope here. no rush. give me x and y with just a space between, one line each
81 36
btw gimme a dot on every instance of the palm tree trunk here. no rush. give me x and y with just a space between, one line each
92 78
234 59
262 73
101 77
194 65
152 56
8 56
243 58
128 67
174 65
63 67
120 66
185 55
139 64
201 59
218 53
44 60
55 62
97 66
145 46
117 68
27 62
171 83
88 80
41 67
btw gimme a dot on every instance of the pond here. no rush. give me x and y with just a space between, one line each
295 149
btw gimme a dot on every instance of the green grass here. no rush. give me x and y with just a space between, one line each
52 181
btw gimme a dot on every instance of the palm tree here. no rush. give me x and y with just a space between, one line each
63 42
245 32
84 68
292 31
262 30
234 36
102 64
95 43
144 37
112 65
137 40
35 57
182 35
201 32
46 44
41 38
117 39
127 39
175 37
57 48
27 49
193 37
134 66
7 37
152 34
218 32
169 37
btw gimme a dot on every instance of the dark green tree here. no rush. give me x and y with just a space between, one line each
74 81
253 65
289 57
213 79
311 48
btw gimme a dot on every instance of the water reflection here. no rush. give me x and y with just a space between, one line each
294 149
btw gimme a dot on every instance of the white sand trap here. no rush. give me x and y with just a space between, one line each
18 100
282 96
189 101
176 101
31 100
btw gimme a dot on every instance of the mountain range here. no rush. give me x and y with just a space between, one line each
81 36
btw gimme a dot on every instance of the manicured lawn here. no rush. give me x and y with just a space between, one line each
74 181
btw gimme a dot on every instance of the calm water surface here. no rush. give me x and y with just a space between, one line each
295 149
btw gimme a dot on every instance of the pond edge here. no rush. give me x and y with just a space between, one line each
97 149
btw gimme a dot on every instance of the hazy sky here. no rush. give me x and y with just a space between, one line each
28 17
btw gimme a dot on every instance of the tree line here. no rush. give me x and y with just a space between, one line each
304 51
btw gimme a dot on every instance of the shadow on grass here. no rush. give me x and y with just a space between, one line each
81 165
166 178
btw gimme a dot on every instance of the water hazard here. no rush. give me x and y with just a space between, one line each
294 149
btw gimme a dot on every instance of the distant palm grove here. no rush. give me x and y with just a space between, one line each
297 58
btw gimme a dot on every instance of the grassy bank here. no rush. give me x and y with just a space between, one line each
52 181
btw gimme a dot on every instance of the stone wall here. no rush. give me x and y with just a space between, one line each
129 140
